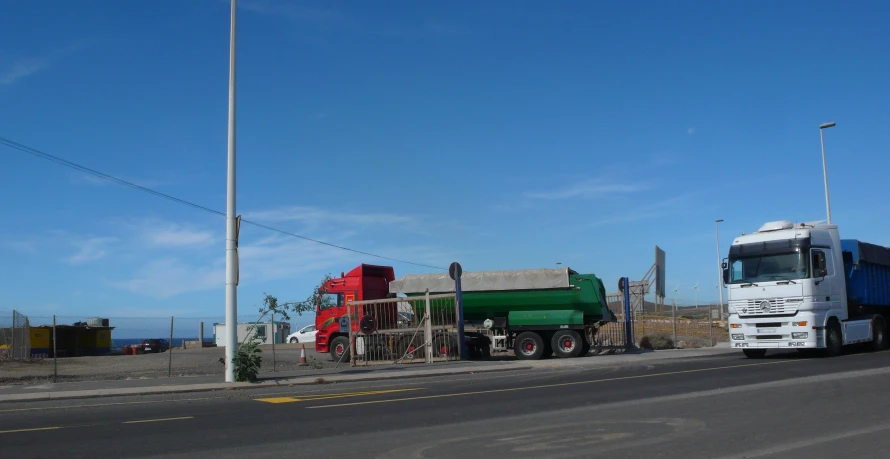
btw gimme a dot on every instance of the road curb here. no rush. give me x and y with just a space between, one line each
211 387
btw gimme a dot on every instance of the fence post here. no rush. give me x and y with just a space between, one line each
274 338
710 318
352 335
55 354
201 335
674 319
12 351
170 351
428 330
458 303
628 332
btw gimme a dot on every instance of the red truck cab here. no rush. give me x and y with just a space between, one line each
365 282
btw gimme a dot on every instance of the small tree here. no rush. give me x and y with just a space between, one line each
317 298
248 360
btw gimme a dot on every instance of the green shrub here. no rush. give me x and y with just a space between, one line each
248 361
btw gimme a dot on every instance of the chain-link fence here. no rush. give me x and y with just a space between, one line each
65 348
15 339
686 322
691 326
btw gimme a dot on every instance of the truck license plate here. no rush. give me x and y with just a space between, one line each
766 330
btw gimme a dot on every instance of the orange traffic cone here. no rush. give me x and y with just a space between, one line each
303 355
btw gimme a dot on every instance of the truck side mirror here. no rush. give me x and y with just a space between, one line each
725 274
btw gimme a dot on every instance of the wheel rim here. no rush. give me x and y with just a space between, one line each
567 344
528 346
339 350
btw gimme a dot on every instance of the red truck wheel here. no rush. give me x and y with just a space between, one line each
340 349
528 346
567 344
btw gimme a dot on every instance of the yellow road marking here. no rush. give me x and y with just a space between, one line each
276 399
159 420
546 386
151 402
29 430
310 398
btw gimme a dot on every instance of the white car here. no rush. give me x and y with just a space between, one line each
303 335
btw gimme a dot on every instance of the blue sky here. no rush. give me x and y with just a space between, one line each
503 135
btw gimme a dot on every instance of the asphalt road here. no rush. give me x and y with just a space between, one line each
712 407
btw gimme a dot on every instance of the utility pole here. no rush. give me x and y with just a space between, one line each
231 228
719 268
822 129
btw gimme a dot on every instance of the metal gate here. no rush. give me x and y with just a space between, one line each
419 329
614 335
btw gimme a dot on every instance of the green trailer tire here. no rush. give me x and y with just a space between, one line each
566 344
529 346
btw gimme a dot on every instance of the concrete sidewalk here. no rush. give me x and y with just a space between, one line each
91 389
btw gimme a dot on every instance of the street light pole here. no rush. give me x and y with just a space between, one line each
231 230
719 268
822 128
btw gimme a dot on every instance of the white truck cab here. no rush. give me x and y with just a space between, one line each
787 290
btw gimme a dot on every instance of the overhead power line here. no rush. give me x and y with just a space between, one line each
33 151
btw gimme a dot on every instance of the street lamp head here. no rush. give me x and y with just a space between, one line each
827 125
719 220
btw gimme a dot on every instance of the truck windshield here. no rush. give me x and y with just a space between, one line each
330 300
776 267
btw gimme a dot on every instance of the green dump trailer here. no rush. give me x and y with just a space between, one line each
536 312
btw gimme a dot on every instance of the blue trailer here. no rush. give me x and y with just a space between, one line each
867 273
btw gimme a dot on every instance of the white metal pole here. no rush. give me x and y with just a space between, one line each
428 329
231 249
719 268
825 173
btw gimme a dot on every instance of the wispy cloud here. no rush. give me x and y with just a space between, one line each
270 259
168 277
91 249
23 68
321 217
661 160
587 189
656 209
79 178
174 235
19 245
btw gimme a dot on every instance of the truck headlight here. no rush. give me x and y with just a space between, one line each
799 335
741 337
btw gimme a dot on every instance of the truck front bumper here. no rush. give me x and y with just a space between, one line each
798 332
